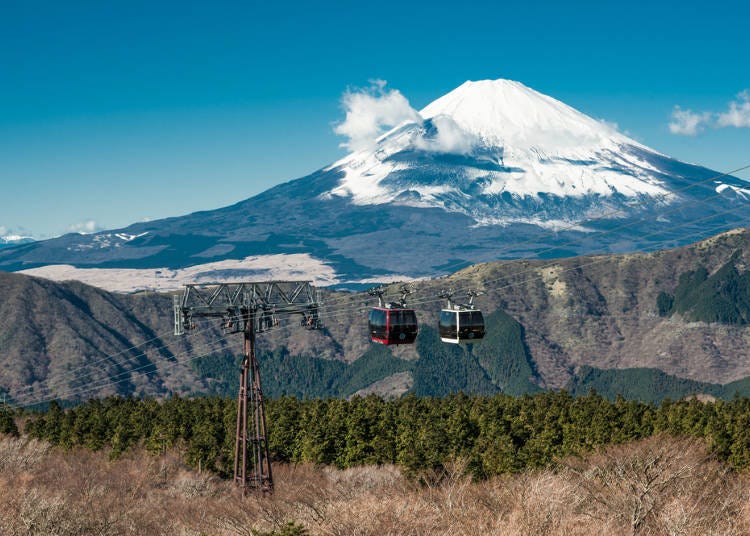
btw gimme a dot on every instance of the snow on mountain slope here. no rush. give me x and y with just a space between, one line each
510 139
504 112
263 267
10 240
492 170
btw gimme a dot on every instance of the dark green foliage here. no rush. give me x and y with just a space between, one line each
495 435
644 384
221 373
722 297
447 368
737 388
303 377
120 423
664 303
375 364
7 422
649 385
504 356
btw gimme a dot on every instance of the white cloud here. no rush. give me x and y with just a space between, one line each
738 114
448 138
10 233
687 122
370 112
86 227
612 125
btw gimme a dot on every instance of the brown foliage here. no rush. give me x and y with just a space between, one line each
662 486
659 486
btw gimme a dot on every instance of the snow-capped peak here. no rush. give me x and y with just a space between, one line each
508 113
491 138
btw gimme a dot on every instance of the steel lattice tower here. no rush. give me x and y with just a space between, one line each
249 308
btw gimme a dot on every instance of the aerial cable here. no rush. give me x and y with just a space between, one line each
125 375
437 298
572 226
485 283
346 308
74 371
604 257
113 380
557 261
334 313
70 395
654 233
68 374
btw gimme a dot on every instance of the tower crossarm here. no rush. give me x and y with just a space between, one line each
239 300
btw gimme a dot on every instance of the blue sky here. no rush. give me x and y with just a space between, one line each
117 112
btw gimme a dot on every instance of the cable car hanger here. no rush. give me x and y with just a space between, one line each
401 304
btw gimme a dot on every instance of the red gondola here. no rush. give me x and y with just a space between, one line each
392 323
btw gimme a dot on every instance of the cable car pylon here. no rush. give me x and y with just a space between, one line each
249 308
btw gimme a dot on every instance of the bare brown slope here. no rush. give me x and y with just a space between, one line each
49 330
682 490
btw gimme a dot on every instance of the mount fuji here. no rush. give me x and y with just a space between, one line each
492 170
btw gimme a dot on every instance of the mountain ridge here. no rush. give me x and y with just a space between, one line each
548 320
445 190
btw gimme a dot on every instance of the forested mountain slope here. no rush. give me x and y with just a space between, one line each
681 312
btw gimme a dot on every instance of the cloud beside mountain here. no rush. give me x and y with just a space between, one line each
85 227
373 111
689 123
370 112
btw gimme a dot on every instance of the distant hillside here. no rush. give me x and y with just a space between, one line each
723 296
649 385
663 324
60 338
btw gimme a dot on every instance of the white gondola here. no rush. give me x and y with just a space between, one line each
461 324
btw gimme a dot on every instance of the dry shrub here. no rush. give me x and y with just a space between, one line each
19 454
539 502
659 485
656 486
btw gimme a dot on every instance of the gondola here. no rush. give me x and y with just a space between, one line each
392 323
461 324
